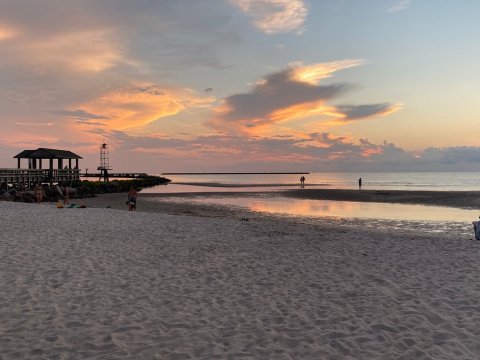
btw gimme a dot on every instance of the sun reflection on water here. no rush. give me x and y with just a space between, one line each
344 209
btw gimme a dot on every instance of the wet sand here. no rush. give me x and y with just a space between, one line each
459 199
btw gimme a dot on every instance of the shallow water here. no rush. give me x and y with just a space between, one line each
344 209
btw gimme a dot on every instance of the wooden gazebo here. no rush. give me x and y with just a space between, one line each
64 169
48 154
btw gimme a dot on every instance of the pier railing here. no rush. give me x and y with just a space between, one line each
28 177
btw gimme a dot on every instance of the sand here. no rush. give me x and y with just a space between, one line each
103 283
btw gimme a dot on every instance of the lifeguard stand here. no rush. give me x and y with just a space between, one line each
104 163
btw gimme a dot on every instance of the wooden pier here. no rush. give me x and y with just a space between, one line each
29 177
116 175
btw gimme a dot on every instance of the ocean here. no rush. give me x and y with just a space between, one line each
442 181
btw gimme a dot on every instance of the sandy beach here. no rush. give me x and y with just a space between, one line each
196 282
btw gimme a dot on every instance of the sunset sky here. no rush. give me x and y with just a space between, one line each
244 85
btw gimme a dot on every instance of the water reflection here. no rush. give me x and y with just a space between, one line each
322 208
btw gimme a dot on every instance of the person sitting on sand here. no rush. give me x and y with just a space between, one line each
38 193
132 199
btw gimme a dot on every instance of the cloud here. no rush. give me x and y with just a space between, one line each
6 33
78 114
451 156
399 6
275 16
291 94
92 51
314 151
85 65
29 124
355 112
137 105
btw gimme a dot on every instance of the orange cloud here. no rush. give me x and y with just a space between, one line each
275 16
292 97
137 105
6 33
313 73
304 110
289 94
372 151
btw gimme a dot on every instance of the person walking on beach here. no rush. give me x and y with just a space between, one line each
38 193
302 182
132 199
360 184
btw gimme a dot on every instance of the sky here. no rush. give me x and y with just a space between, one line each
243 85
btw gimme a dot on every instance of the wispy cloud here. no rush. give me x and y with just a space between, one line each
399 6
78 114
275 16
30 124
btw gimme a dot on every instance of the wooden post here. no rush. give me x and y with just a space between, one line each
18 163
50 171
69 163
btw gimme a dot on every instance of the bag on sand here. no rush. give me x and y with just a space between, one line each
476 229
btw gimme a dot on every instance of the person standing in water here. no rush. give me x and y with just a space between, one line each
360 184
302 182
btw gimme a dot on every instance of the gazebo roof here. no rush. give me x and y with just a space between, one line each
43 153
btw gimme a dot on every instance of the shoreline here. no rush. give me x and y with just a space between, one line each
149 203
468 200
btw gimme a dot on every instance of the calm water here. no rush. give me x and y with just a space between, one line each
323 208
296 207
443 181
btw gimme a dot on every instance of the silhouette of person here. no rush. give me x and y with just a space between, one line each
38 193
302 181
66 195
359 183
132 199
